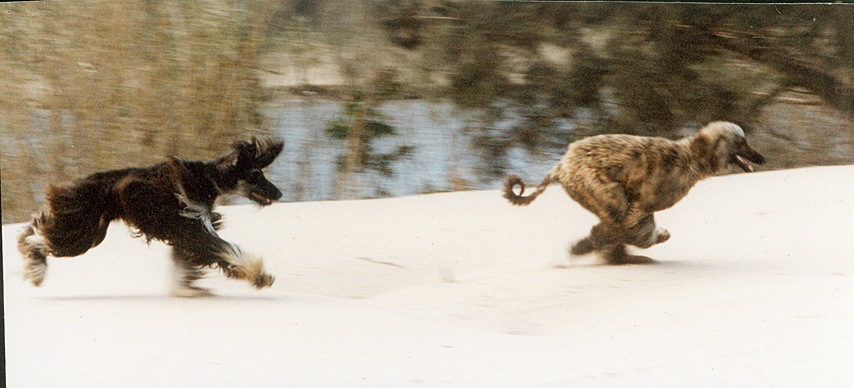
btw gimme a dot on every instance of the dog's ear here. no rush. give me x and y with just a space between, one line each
266 151
704 154
241 156
252 154
228 161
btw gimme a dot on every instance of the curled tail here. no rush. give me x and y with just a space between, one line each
518 199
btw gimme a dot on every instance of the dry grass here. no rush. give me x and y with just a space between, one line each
93 85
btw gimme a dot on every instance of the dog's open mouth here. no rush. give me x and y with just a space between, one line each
743 155
257 197
742 162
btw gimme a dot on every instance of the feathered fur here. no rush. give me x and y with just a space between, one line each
171 201
624 179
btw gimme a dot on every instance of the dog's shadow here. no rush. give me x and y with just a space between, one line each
593 260
632 260
163 297
637 260
598 261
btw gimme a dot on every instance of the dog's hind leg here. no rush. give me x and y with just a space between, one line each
582 247
609 240
103 224
608 236
644 234
184 274
602 235
604 198
616 255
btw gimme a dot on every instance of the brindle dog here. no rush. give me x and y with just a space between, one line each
625 179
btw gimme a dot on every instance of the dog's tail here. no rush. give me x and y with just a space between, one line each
518 199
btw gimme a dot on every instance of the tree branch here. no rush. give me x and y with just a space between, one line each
832 90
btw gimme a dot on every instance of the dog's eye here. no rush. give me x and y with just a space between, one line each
255 173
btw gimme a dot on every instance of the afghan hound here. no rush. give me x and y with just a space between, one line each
624 179
171 201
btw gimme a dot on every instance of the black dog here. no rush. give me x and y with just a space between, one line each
172 201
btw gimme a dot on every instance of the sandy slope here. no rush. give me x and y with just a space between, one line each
756 288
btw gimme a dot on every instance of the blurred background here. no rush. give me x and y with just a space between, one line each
400 97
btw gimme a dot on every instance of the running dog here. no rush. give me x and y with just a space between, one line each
171 201
624 179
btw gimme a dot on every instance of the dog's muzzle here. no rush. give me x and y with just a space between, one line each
262 199
744 155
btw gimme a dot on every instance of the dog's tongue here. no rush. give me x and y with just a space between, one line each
261 198
743 163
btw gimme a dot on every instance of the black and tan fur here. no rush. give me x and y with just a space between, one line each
625 179
171 201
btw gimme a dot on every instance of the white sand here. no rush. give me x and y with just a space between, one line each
755 288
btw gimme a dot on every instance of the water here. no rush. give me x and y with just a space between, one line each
306 170
442 158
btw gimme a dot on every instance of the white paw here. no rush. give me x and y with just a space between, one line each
661 235
35 273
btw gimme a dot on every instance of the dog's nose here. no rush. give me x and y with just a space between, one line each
276 196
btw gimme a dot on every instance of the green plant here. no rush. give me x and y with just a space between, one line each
360 124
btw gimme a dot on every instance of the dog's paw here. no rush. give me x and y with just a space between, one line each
35 270
264 280
617 255
661 235
35 273
582 247
634 259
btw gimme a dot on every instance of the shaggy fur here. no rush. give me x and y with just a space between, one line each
172 202
624 179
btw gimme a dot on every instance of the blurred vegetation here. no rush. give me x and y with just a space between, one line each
360 124
94 85
645 69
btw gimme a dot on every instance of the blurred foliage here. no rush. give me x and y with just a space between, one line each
94 85
361 123
645 69
659 66
401 19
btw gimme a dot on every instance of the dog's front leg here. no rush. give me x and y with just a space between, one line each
186 270
189 266
199 249
236 264
640 228
217 221
610 240
643 233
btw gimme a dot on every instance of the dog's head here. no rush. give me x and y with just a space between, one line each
723 143
242 170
